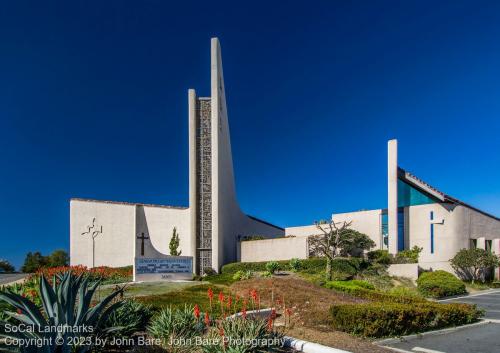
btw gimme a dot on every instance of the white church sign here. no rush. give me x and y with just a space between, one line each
151 265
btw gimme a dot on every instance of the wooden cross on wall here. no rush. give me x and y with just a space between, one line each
142 237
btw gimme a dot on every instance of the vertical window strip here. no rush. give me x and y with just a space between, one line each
432 232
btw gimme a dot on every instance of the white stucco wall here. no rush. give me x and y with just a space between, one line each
160 222
404 270
274 249
454 226
121 222
366 222
115 246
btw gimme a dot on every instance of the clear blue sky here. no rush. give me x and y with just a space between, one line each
93 104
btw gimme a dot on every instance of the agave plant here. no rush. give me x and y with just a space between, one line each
65 318
240 335
177 328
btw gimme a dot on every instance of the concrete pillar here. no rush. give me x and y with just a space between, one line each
481 243
392 193
192 173
496 250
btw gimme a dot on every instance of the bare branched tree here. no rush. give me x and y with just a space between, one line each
330 242
338 239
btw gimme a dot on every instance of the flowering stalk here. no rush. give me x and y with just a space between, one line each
210 294
221 301
207 319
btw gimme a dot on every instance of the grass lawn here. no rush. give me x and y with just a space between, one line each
147 289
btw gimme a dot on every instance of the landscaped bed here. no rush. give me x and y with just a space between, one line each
366 302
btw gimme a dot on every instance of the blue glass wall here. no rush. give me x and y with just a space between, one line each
401 229
409 196
385 228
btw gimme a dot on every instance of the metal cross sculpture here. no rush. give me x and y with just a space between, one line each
93 230
142 237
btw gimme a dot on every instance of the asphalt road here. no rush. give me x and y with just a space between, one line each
478 338
490 302
6 278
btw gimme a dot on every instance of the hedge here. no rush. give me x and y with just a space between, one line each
374 295
346 286
313 264
380 319
439 284
342 268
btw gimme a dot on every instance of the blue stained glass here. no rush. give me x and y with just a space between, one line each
401 229
385 228
409 196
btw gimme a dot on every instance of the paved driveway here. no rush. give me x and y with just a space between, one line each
483 337
489 301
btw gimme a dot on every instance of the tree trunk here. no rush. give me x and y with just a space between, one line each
328 269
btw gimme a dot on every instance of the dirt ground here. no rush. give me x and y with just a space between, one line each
309 305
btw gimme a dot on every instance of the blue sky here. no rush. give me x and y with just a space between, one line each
93 104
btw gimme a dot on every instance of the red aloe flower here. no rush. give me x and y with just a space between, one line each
221 297
197 311
229 302
273 314
253 294
207 319
244 313
270 324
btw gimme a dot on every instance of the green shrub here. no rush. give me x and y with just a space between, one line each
272 267
311 265
343 269
409 256
379 257
346 286
439 284
208 271
370 294
495 284
474 264
242 275
295 265
382 319
131 317
405 292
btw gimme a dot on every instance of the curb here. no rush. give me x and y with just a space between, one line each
430 333
478 294
310 347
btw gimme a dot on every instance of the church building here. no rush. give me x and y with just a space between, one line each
111 233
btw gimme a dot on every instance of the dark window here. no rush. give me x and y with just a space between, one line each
488 245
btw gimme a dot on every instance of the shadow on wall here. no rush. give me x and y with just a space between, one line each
142 232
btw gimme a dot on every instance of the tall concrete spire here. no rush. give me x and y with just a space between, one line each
216 219
392 197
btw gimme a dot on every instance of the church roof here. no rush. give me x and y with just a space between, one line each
128 203
434 192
